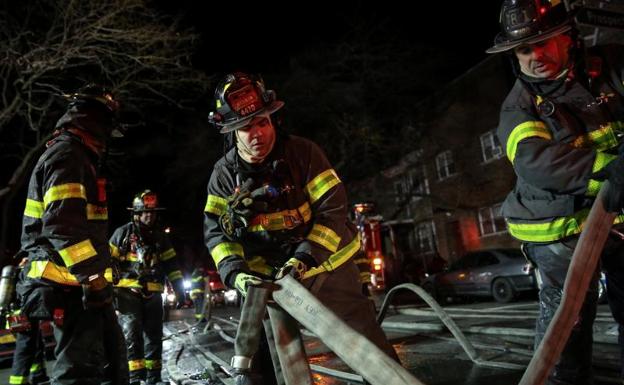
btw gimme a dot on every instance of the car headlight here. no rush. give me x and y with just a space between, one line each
186 283
171 297
231 295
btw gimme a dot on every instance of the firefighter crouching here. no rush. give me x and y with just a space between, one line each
560 126
276 206
145 257
64 238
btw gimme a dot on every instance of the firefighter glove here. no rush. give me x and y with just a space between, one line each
614 173
296 267
244 280
96 292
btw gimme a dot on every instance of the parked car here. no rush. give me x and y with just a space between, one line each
499 273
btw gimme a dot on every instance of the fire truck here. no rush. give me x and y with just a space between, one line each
371 261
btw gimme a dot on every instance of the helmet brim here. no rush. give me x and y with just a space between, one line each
273 107
511 44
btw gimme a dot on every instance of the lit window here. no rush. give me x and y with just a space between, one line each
424 233
445 165
491 220
490 147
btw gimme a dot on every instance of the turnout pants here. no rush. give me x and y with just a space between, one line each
29 357
575 364
142 321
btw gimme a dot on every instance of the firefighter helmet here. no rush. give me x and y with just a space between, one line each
529 22
145 201
238 98
97 93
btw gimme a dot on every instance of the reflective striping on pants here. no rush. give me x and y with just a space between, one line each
325 237
18 380
167 254
337 259
602 159
33 209
129 282
136 364
226 249
215 205
154 286
64 191
553 230
523 131
321 184
153 364
77 253
36 366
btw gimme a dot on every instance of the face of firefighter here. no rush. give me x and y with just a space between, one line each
255 141
147 218
545 59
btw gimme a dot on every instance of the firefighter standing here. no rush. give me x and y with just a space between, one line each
145 257
275 204
198 293
64 236
28 366
560 126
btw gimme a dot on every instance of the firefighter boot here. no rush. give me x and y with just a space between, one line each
247 378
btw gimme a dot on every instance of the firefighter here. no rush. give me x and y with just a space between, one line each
64 237
28 366
145 257
275 205
198 293
560 126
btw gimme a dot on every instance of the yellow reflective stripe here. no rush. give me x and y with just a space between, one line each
131 257
197 279
225 249
77 253
153 364
554 230
601 139
129 282
523 131
361 261
114 250
136 364
337 259
285 219
322 183
7 338
197 291
167 254
36 367
365 277
259 265
18 380
325 237
34 209
60 274
154 286
64 191
602 159
176 274
215 205
96 213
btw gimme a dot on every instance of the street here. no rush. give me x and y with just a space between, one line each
501 336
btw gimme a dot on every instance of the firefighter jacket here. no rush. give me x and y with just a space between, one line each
309 215
65 220
198 283
145 257
556 134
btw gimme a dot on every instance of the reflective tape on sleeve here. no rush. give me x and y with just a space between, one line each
523 131
77 252
167 254
602 159
325 237
321 184
215 205
64 191
34 209
225 249
174 275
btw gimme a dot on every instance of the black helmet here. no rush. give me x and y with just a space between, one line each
530 21
238 98
97 93
145 201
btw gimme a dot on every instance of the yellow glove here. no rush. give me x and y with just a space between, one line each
293 267
244 280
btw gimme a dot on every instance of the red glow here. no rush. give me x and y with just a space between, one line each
212 284
543 10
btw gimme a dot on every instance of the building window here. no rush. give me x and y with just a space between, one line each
418 183
425 238
491 220
490 147
445 165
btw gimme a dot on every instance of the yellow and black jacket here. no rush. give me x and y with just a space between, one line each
308 216
65 219
556 134
145 257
